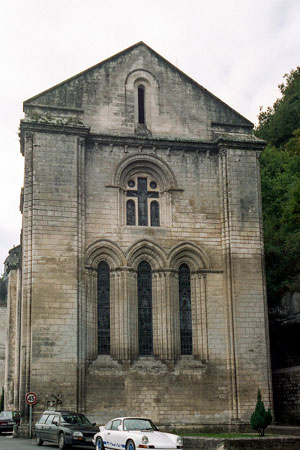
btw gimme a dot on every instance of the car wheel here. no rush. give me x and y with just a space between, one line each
61 442
39 441
99 444
130 445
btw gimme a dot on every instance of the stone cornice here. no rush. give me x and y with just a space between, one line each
54 127
230 140
150 143
29 107
50 127
240 142
222 141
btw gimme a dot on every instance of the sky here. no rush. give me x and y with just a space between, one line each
237 49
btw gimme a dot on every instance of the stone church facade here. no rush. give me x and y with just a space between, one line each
140 288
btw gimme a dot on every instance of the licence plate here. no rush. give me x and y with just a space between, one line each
89 439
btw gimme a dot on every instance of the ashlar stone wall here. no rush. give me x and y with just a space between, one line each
82 145
3 322
287 395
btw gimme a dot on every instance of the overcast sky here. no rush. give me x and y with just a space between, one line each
237 49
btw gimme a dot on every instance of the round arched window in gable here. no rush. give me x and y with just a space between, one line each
141 209
141 104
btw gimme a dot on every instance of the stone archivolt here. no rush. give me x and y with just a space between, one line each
124 304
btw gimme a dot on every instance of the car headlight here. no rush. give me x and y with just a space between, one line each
77 434
179 440
145 440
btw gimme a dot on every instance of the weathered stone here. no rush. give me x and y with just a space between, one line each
83 143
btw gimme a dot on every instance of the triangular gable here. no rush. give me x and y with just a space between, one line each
102 98
34 99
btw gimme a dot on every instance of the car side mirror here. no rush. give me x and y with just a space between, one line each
120 427
55 422
94 424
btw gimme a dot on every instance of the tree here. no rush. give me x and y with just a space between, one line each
277 124
280 178
3 290
260 419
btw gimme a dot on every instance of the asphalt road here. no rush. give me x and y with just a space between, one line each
8 443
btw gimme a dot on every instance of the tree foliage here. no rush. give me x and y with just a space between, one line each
277 123
280 175
3 290
260 419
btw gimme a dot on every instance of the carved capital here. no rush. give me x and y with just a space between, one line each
81 142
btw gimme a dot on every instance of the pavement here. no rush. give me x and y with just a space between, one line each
7 442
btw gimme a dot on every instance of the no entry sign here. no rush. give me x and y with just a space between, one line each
31 398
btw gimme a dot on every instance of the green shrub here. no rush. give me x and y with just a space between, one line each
261 418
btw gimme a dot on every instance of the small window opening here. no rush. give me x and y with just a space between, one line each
141 104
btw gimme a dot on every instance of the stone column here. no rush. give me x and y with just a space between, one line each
199 315
165 315
227 258
17 338
244 284
25 349
10 341
123 311
91 299
81 298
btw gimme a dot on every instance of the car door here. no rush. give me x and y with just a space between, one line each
116 434
40 427
54 429
106 433
47 428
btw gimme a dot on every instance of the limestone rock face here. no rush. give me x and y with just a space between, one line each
288 311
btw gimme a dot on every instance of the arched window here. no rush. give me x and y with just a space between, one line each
185 310
144 281
103 309
144 189
141 104
130 212
154 214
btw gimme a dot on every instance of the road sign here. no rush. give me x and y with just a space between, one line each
31 398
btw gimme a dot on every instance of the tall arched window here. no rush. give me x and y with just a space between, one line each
103 309
144 281
141 104
185 310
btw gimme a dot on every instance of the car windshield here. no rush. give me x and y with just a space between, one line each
75 418
6 415
139 424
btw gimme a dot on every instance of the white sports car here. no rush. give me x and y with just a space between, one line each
132 433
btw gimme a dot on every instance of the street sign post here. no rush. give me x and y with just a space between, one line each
31 399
